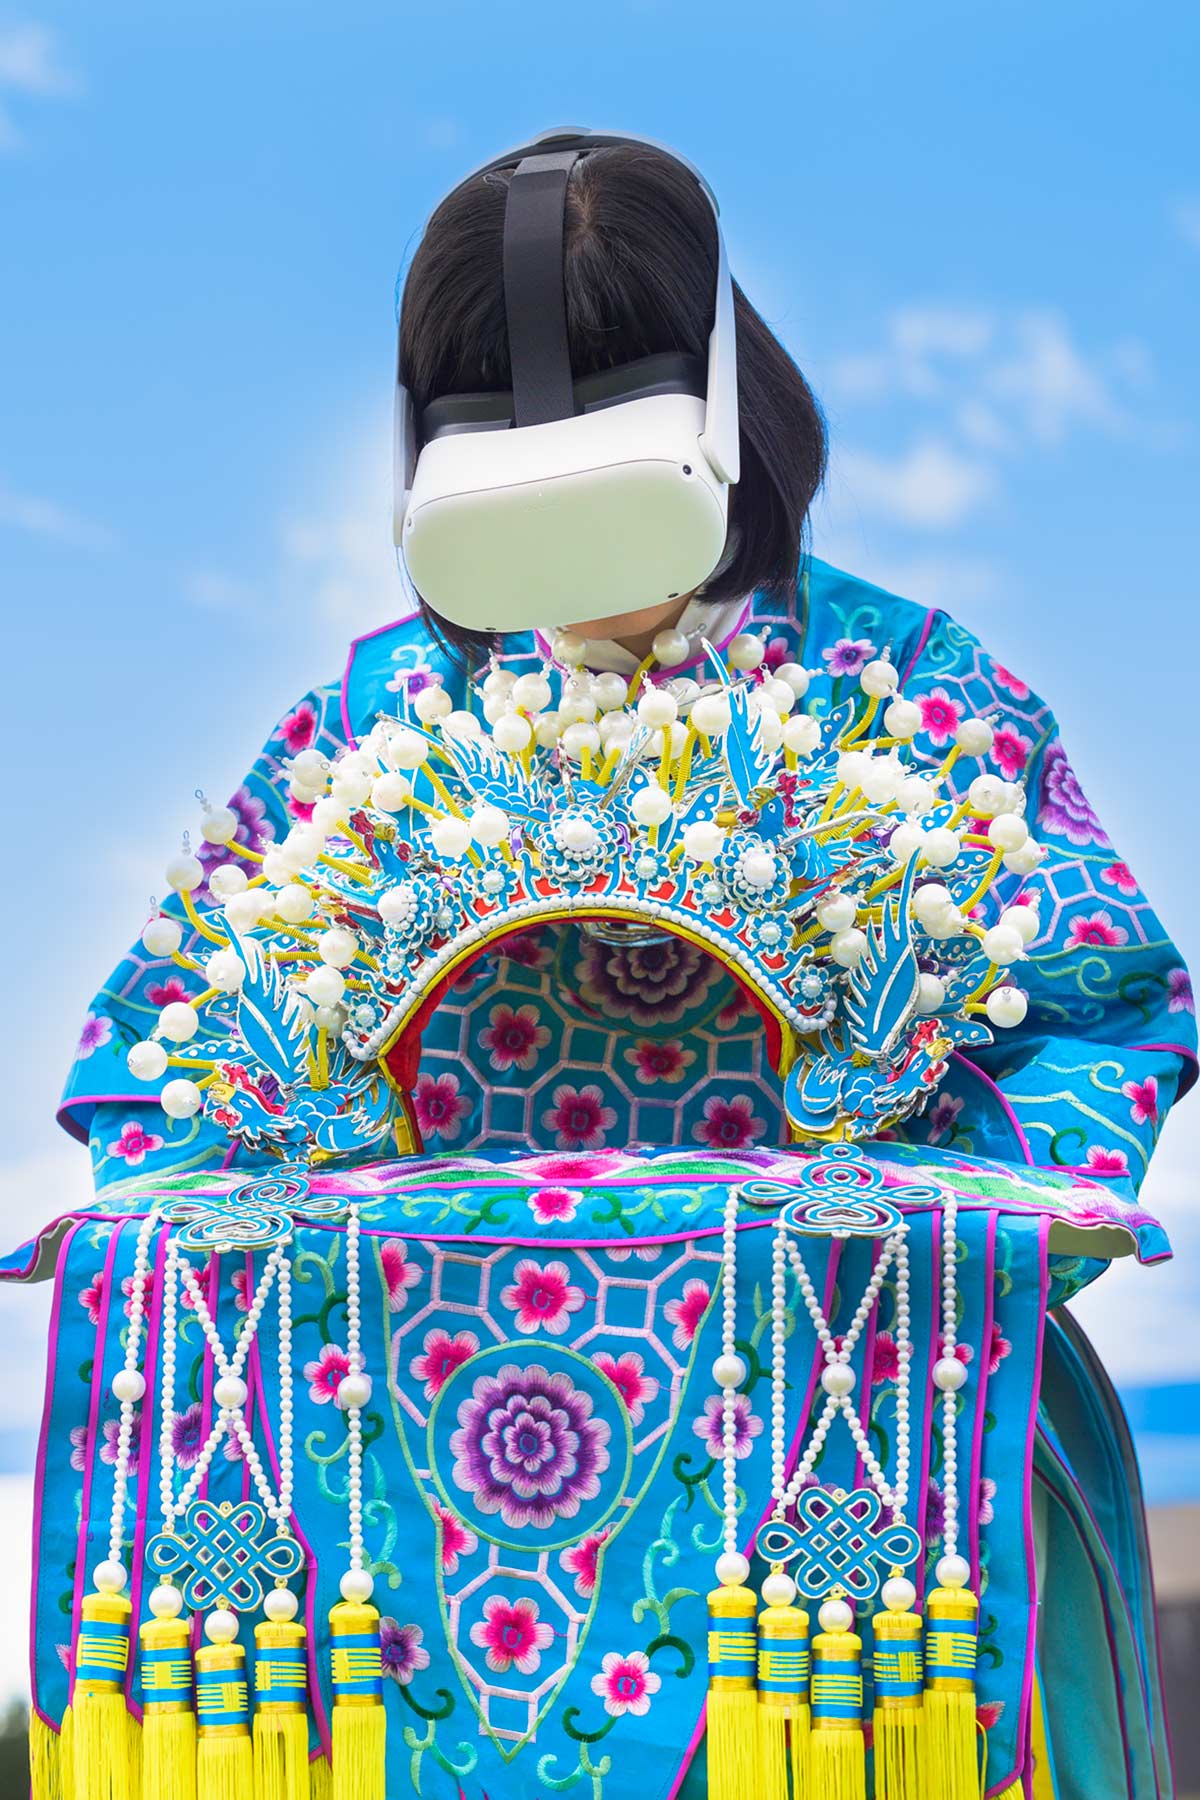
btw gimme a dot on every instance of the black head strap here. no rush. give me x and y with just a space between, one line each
534 300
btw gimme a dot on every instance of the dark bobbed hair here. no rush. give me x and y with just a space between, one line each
640 264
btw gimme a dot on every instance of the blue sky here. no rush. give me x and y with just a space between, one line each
978 229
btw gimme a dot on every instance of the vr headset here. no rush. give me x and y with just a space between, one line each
565 499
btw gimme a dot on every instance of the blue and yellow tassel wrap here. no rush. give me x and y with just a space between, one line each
731 1719
280 1712
168 1718
784 1670
837 1762
897 1668
103 1738
950 1758
359 1722
224 1759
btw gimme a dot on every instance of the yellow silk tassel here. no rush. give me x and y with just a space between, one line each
951 1764
280 1713
134 1733
734 1770
224 1757
837 1758
1015 1791
100 1723
168 1721
66 1755
783 1711
45 1760
896 1666
320 1779
359 1722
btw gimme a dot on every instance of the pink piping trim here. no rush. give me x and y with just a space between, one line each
1003 1103
145 1474
314 1686
793 1457
39 1475
693 662
213 1297
937 1219
981 1382
85 1508
930 616
355 643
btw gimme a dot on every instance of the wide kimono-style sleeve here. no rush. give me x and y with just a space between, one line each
128 1132
1109 1039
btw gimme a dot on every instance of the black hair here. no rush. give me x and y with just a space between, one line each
639 265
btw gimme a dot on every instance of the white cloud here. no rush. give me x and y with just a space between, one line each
1047 383
30 62
932 485
216 591
46 518
1185 215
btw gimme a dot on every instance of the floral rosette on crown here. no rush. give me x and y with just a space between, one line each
813 853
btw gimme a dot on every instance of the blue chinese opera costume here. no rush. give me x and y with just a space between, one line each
547 1195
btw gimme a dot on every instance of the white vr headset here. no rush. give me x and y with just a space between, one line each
566 500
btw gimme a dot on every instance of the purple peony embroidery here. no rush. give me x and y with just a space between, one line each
528 1447
652 983
1064 808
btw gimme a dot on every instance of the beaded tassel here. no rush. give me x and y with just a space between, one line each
280 1712
896 1666
838 1757
224 1759
783 1709
168 1719
101 1738
359 1721
951 1762
732 1715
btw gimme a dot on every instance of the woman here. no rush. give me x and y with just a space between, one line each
572 1039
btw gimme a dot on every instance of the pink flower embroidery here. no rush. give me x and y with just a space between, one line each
849 656
988 1713
111 1432
1098 929
627 1374
1144 1095
987 1493
526 948
78 1446
457 1540
729 1124
547 1204
441 1355
512 1634
1104 1160
187 1436
666 1060
626 1683
241 1293
299 728
127 1290
1010 751
1006 679
686 1313
579 1117
402 1652
1119 875
324 1375
885 1359
581 1560
163 993
709 1427
1179 992
998 1348
514 1037
542 1296
439 1106
398 1272
942 1118
963 1352
939 716
91 1296
134 1143
96 1032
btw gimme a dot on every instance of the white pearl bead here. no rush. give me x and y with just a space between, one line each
178 1021
986 795
227 880
729 1371
759 868
670 647
703 840
879 678
651 805
846 947
357 1584
837 912
904 843
325 986
147 1060
1025 860
801 735
744 651
128 1384
898 1594
390 792
165 1602
931 993
1006 1007
940 847
578 738
181 1099
657 708
219 825
569 648
796 676
162 936
836 1615
949 1374
838 1379
225 970
902 719
778 1589
953 1572
353 1390
490 825
185 872
280 1605
337 947
1008 832
733 1570
229 1392
710 714
221 1626
451 837
110 1576
1021 919
1003 945
974 737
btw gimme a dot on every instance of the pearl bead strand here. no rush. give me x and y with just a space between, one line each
732 1567
354 1391
949 1375
129 1385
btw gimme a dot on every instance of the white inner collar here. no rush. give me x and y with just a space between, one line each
700 619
